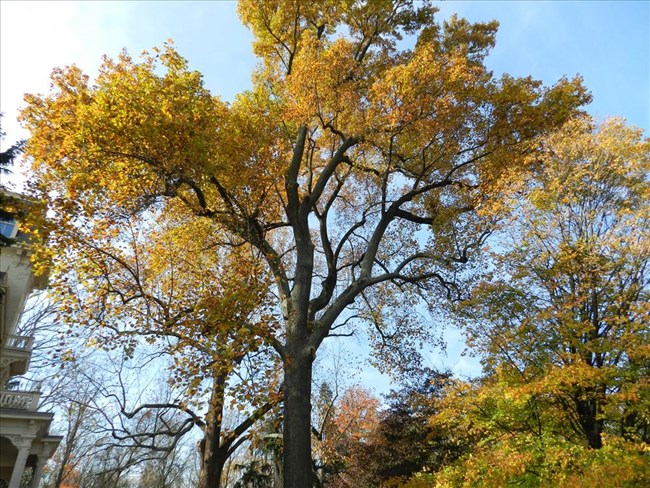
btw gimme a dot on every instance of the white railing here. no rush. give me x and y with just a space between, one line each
24 343
23 400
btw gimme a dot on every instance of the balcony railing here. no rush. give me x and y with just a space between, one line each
22 343
23 400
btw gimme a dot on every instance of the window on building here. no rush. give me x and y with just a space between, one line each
8 228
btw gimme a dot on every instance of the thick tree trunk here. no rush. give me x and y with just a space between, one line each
213 459
297 421
212 463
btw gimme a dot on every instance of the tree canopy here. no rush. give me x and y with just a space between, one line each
562 323
360 174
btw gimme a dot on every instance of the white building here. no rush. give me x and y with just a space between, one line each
25 442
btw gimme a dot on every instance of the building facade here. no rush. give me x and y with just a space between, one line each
25 441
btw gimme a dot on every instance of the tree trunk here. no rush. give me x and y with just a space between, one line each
211 467
213 459
590 423
212 463
297 421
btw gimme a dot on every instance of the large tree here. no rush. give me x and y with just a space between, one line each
361 169
567 309
157 290
562 321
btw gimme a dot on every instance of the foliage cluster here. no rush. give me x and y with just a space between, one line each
562 324
357 182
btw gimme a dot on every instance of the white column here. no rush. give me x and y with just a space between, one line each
38 471
23 451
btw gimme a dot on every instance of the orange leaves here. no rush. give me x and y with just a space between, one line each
327 86
347 429
357 414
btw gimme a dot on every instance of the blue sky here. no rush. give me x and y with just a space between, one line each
607 42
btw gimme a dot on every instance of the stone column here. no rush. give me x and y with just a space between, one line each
23 446
38 471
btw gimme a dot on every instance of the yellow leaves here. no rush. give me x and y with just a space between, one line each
562 322
109 135
434 93
527 459
474 39
251 167
613 156
326 84
276 26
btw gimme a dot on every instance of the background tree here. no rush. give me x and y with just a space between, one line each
119 402
152 285
82 386
562 322
353 169
365 442
403 441
350 422
104 447
8 156
260 466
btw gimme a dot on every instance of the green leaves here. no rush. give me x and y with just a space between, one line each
557 323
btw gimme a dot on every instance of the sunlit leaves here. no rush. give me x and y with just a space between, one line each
562 322
361 173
